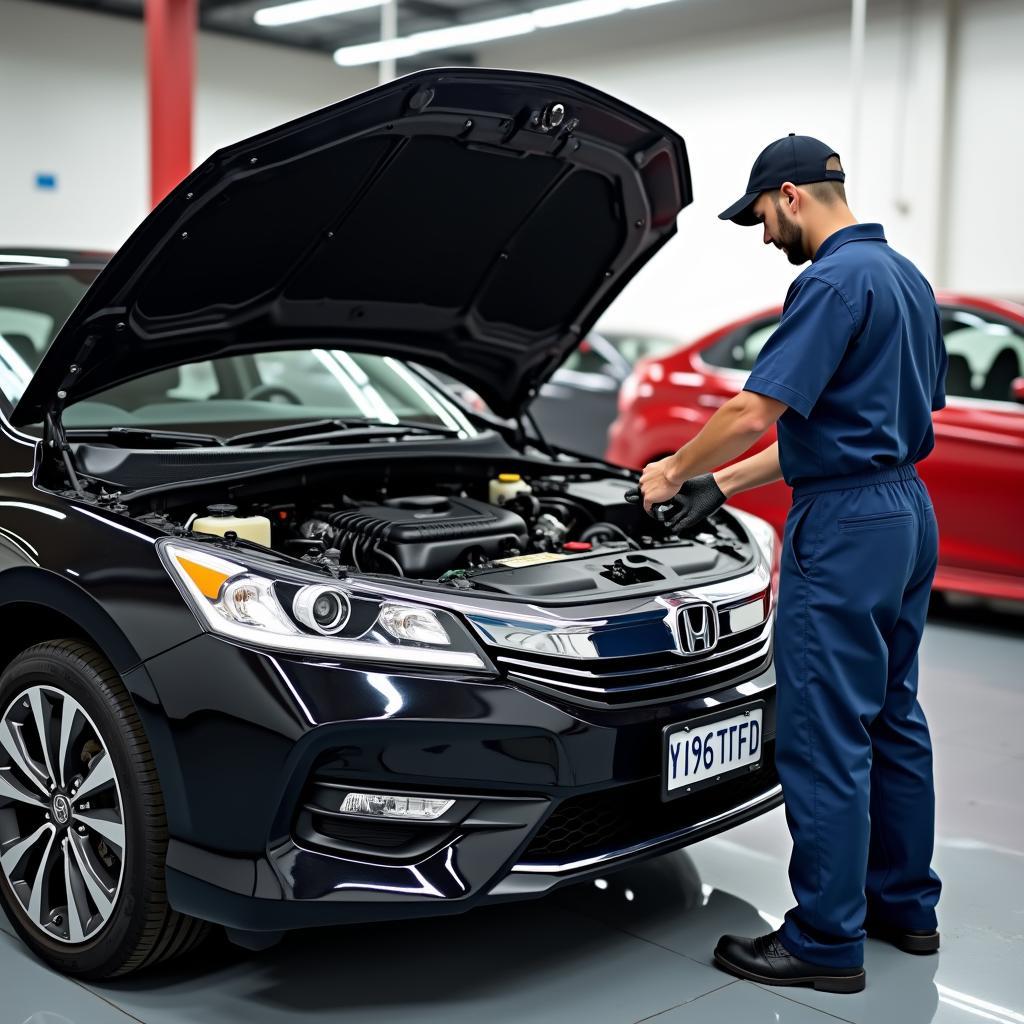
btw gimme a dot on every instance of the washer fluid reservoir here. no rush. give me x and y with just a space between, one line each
222 519
505 486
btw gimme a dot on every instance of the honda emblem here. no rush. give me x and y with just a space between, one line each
699 633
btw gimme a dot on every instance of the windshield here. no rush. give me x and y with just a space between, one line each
33 306
241 393
222 396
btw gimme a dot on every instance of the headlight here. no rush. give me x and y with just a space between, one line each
250 601
259 606
410 623
325 610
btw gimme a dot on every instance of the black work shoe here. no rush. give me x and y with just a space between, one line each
919 942
766 960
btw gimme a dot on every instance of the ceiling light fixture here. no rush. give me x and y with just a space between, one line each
307 10
485 31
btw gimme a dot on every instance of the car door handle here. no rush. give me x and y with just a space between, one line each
711 401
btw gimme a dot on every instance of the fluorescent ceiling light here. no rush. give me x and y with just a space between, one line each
580 10
484 31
36 261
436 39
306 10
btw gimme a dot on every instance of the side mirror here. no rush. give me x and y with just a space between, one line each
1017 389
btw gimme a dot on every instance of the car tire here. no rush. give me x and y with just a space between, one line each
114 918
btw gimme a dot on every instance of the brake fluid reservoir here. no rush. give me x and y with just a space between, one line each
222 519
506 485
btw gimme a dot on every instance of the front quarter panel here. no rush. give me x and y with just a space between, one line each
95 567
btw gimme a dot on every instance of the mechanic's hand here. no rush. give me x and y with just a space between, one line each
696 500
657 484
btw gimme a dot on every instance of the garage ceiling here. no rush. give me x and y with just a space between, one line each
325 35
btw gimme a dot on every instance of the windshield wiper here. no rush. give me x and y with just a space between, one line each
331 430
138 435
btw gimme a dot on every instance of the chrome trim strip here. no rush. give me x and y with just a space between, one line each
748 585
558 683
766 629
628 851
732 590
663 608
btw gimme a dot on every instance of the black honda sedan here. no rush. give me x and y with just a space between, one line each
290 637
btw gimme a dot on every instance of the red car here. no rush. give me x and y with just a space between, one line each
975 473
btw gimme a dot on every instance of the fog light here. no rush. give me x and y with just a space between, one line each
384 805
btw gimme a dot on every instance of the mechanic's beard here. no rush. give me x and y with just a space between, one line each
791 238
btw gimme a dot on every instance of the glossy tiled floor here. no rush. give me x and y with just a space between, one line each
636 946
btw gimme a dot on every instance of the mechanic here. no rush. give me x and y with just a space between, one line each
850 376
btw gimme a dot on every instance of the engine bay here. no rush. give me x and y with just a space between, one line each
530 536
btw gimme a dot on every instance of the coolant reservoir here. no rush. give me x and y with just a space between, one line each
505 487
222 519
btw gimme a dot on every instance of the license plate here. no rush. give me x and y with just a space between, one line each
708 749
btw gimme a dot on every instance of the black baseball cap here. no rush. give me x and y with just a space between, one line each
796 158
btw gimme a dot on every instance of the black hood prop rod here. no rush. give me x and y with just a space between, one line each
54 437
53 425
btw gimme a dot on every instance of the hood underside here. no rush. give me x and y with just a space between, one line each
472 220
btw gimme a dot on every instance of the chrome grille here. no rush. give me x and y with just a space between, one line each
641 679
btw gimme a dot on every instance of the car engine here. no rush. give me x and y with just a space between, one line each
598 539
547 536
421 534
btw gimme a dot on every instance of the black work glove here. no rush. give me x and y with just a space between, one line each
696 500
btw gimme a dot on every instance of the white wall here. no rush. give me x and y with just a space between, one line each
73 103
985 209
730 75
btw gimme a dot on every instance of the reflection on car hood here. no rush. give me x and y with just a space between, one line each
476 221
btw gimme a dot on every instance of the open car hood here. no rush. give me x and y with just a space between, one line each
475 221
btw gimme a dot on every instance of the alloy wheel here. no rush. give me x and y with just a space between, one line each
62 829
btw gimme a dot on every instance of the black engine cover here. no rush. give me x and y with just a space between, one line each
428 534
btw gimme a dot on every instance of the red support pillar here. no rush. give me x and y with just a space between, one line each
170 60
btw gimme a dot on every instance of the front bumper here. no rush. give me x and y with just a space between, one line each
247 743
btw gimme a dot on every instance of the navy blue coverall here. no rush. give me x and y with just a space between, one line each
858 358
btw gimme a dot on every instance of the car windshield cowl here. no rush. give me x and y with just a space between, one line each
329 431
142 437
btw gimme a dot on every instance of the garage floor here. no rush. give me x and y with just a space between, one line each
636 947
